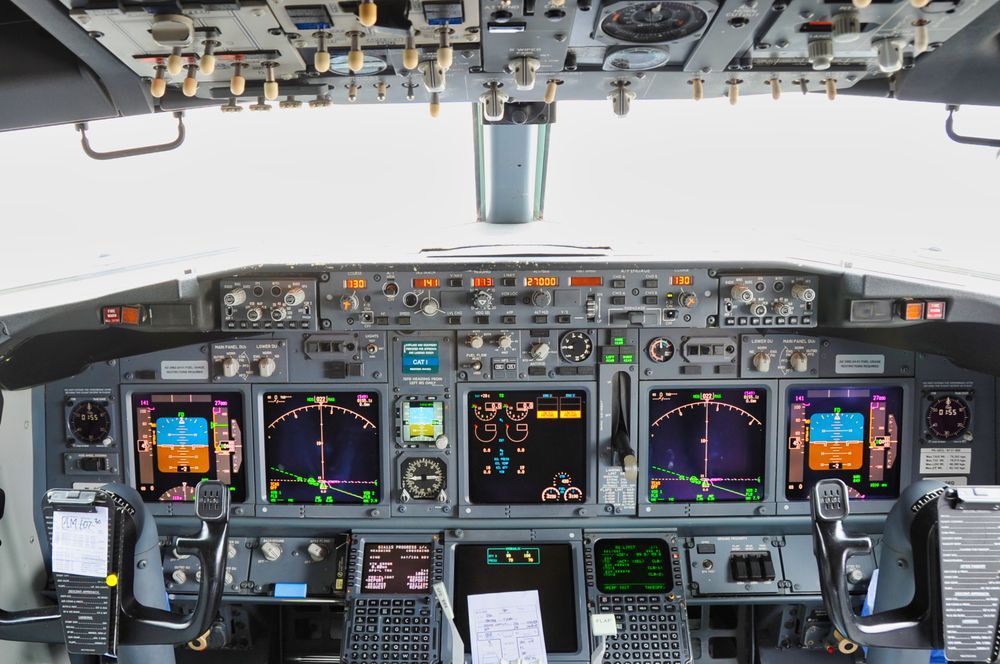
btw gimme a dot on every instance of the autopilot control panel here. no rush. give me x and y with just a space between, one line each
633 440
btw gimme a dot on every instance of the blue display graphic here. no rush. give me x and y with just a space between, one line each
420 357
189 431
837 428
707 445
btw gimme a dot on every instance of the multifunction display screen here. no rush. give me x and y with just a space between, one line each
421 421
181 439
322 448
396 569
527 446
848 433
707 444
632 566
547 568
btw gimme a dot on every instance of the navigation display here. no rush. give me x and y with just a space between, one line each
527 446
707 444
181 439
498 568
848 433
632 566
322 448
396 569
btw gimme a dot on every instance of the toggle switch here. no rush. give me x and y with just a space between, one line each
411 57
492 102
290 102
803 84
321 59
207 62
831 89
697 89
352 92
238 83
775 84
158 86
190 85
231 106
380 90
734 91
435 104
355 58
261 105
175 62
524 69
321 101
367 13
551 88
270 84
621 98
445 53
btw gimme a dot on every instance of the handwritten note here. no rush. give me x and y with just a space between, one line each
80 542
506 628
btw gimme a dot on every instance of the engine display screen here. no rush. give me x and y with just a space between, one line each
527 447
848 433
322 448
396 569
421 421
181 439
707 445
632 566
547 568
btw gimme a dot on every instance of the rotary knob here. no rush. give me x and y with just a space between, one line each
539 351
803 292
295 296
429 307
231 551
178 576
741 293
317 552
782 308
266 366
762 362
482 300
271 551
441 442
799 362
235 297
504 341
541 298
348 302
689 300
846 27
475 341
230 367
758 309
889 53
821 53
254 314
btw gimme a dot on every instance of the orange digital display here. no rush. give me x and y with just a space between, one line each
540 281
681 280
427 282
586 281
356 283
482 282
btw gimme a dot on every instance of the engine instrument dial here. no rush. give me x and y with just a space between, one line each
654 22
637 58
423 478
575 346
90 422
948 418
660 350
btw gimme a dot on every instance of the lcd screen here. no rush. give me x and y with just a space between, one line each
632 566
396 569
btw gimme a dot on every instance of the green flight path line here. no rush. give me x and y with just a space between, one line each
697 480
314 482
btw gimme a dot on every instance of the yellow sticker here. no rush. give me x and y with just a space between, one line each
112 580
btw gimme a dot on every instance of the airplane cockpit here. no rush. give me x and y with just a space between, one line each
496 446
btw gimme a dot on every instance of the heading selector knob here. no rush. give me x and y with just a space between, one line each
541 298
482 300
689 300
349 302
539 351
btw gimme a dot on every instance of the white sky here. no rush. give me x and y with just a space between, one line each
675 178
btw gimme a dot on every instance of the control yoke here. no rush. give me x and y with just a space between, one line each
931 533
116 617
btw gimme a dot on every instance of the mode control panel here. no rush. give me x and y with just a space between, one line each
268 304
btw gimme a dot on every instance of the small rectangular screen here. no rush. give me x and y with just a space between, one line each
549 569
707 444
541 281
586 281
322 448
482 282
426 282
527 446
396 569
632 566
181 439
356 283
848 433
422 421
420 357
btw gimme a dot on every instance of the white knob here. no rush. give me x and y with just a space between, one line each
504 342
441 442
475 341
295 296
799 362
179 576
229 578
803 293
855 576
404 496
442 496
846 27
782 308
235 297
541 298
921 39
230 367
266 366
742 293
762 362
524 69
429 307
349 302
621 99
254 314
630 466
821 53
758 309
889 53
317 552
539 351
231 551
493 102
271 551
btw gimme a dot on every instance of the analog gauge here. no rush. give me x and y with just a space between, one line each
948 418
654 22
637 58
660 349
183 493
90 422
371 66
423 478
575 346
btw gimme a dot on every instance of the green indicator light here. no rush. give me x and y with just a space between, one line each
618 341
610 359
628 359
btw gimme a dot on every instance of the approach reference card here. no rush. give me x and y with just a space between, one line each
970 585
80 542
506 628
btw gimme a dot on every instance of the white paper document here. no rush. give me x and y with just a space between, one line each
506 628
80 542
